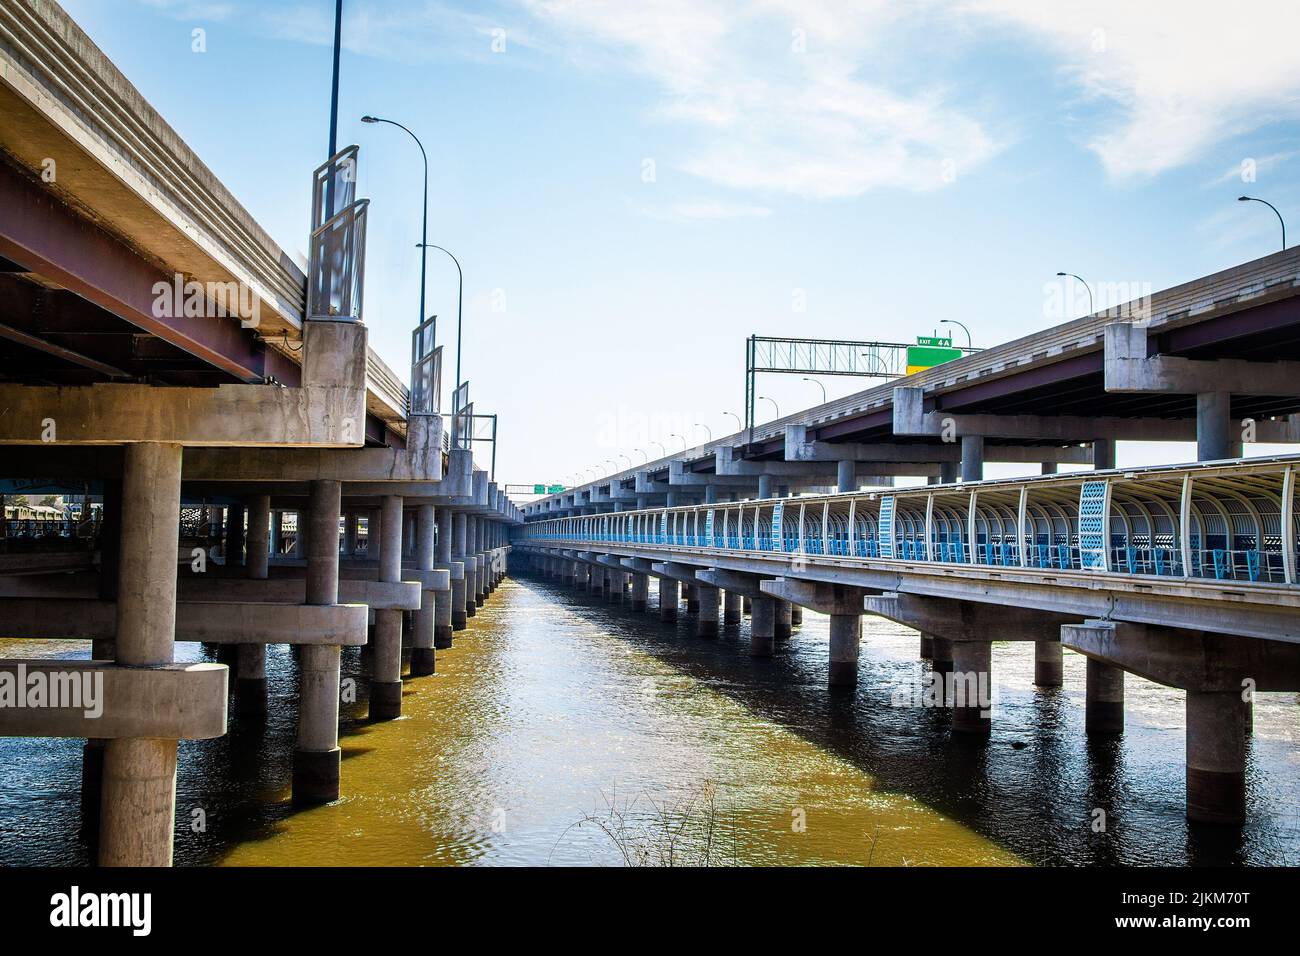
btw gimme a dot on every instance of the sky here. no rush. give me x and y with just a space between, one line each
633 188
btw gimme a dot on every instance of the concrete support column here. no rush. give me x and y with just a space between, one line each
765 486
972 670
450 555
692 598
941 655
706 625
784 619
1048 663
615 594
235 535
374 534
386 663
972 457
846 633
668 598
640 591
762 624
1215 437
846 478
350 523
277 533
1104 699
927 646
796 615
422 641
949 471
1047 468
1103 453
461 548
316 755
1216 757
138 798
732 607
710 494
250 659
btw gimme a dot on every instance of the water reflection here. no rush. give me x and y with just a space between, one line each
552 708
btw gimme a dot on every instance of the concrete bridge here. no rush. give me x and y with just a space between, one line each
1185 575
325 510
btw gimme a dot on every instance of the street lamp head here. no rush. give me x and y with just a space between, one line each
369 119
1063 273
1243 199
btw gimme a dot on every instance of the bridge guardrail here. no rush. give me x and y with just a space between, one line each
1219 520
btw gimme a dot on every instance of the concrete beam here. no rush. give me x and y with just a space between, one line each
1130 369
837 599
167 701
958 620
1190 659
329 410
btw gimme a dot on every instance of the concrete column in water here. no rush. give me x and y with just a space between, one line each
972 676
765 486
1048 663
640 591
1103 453
316 756
927 646
445 601
1216 757
732 607
459 596
784 619
1104 699
941 655
250 660
386 663
692 598
460 548
481 569
846 478
710 494
668 598
846 634
422 642
762 624
706 625
1215 436
972 457
138 799
796 614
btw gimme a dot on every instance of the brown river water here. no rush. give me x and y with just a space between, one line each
564 730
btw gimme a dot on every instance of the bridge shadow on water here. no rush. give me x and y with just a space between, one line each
1038 787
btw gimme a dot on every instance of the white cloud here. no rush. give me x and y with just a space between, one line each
768 115
705 210
1183 74
192 9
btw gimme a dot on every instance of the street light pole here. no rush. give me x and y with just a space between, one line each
424 228
706 428
740 426
460 299
819 385
961 326
764 398
1092 309
1272 207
